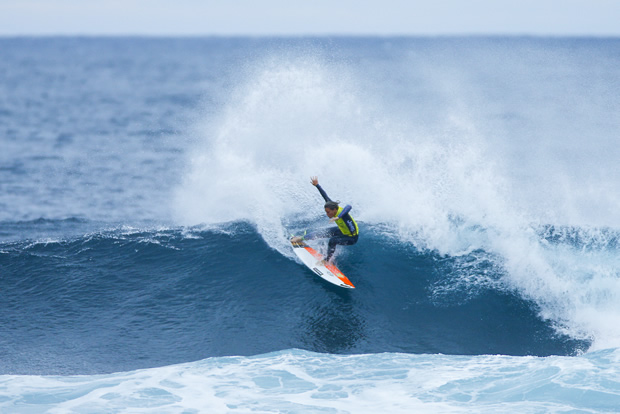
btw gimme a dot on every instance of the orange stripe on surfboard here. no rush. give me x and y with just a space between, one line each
330 266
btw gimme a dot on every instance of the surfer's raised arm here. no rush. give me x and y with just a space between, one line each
315 182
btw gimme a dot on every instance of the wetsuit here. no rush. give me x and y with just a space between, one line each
345 234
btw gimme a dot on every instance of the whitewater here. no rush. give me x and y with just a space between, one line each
149 187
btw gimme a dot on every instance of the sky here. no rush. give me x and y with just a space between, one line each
310 17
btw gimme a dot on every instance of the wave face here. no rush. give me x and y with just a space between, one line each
148 188
128 299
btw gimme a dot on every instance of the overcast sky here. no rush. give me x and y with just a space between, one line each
310 17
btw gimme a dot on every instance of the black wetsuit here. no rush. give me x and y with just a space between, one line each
335 234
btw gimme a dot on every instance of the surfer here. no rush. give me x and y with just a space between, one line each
345 234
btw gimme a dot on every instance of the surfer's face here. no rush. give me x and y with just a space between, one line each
330 213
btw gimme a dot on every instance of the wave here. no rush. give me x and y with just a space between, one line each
128 298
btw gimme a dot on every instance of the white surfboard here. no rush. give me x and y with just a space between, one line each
328 271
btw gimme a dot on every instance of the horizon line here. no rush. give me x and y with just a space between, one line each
317 35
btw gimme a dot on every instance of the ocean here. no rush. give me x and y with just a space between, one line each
148 188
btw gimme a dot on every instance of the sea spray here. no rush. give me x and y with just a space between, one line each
288 121
449 191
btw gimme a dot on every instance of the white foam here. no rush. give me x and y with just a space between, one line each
298 381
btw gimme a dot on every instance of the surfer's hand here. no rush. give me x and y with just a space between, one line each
315 181
333 219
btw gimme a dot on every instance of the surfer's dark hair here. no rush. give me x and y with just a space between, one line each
332 205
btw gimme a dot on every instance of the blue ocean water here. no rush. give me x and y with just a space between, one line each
148 187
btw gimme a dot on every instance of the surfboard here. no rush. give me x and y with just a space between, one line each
328 271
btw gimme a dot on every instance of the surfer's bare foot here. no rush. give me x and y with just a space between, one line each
296 239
